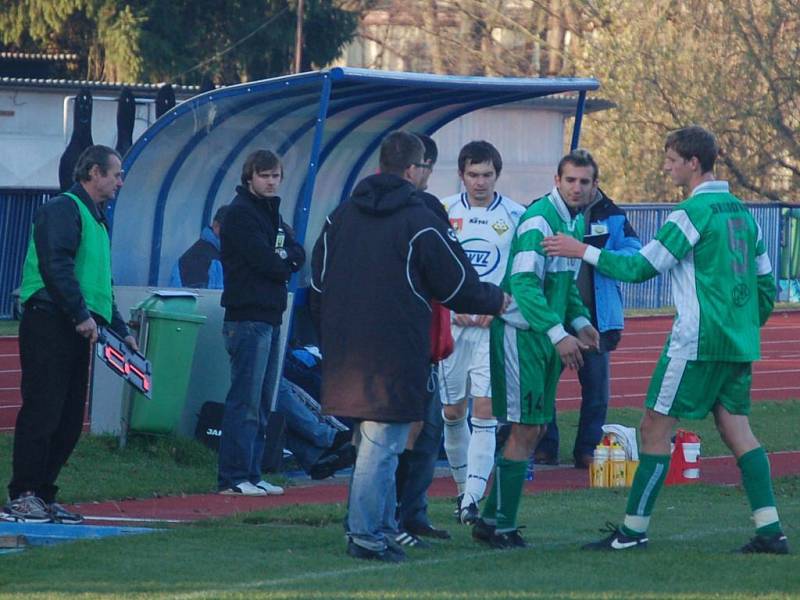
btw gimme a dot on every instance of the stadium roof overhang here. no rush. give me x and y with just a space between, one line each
327 127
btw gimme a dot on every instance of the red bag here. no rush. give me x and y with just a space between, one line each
441 336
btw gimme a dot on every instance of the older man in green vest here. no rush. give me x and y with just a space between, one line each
66 293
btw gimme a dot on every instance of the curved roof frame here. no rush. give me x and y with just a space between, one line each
340 112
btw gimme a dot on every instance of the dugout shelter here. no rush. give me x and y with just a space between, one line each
327 127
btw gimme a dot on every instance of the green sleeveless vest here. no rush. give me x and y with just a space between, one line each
92 265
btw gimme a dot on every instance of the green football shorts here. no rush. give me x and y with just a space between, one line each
525 373
690 389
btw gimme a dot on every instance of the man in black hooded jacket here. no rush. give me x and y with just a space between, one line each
380 260
259 255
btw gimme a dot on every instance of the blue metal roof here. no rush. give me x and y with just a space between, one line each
327 127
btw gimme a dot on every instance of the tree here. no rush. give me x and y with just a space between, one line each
732 66
180 40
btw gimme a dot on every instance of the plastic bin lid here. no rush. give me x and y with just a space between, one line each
174 316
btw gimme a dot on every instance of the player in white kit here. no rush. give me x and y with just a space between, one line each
484 221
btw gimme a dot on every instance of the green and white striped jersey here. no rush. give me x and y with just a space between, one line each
722 282
543 287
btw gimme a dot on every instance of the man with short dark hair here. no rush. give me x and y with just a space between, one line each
259 255
200 265
724 292
530 346
67 294
605 226
484 221
418 462
381 258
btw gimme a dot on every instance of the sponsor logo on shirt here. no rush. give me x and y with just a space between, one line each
500 227
478 220
741 294
483 254
457 224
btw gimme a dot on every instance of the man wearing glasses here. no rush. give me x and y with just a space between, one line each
382 253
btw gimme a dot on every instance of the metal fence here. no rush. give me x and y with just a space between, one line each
780 224
16 215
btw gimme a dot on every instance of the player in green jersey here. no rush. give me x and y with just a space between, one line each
530 346
724 292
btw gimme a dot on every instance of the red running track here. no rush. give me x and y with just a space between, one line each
715 470
775 376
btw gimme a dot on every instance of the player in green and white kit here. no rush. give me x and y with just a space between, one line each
724 292
529 344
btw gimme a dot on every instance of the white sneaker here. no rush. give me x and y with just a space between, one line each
245 489
270 489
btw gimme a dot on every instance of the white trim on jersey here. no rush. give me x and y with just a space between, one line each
563 211
511 367
657 255
715 186
686 328
560 264
684 223
537 223
529 261
763 264
669 385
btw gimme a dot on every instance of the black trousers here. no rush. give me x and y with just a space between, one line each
55 376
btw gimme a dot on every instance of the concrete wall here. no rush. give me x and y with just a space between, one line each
530 141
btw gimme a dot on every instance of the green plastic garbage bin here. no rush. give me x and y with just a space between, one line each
168 329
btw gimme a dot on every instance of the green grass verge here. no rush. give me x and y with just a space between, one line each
148 466
774 423
298 552
151 466
9 327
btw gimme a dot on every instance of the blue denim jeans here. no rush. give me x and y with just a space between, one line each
418 470
253 350
308 432
373 494
594 380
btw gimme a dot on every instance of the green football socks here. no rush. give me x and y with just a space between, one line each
646 486
489 512
504 498
757 483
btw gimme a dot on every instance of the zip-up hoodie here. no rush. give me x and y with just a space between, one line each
379 261
255 271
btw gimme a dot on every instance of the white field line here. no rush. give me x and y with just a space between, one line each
414 563
135 519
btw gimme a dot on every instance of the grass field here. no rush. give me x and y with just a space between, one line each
99 470
9 327
298 552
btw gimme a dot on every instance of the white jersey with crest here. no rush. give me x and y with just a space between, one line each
485 233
